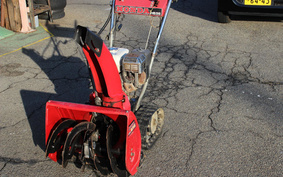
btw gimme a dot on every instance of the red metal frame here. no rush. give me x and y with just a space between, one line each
141 7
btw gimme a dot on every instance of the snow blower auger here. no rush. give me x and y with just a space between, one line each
110 132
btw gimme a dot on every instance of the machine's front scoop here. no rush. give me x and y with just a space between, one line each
63 117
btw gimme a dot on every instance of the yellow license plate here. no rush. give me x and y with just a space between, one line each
258 2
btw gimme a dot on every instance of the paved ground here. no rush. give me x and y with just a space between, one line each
17 41
5 33
221 87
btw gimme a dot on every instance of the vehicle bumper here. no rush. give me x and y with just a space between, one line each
237 7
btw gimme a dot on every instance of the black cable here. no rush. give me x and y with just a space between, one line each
106 23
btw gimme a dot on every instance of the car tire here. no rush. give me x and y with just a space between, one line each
57 7
223 17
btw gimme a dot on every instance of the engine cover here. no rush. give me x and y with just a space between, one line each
117 54
136 61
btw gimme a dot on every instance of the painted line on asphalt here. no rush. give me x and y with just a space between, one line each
51 35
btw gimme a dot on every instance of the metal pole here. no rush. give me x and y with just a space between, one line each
112 25
147 41
153 55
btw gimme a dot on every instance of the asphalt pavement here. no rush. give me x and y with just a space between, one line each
220 86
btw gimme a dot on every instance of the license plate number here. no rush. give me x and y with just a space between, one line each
258 2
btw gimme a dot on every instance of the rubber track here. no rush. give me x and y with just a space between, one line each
143 116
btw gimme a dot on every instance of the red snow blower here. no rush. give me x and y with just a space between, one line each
110 132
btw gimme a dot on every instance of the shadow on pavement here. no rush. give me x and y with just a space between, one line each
69 79
33 104
205 9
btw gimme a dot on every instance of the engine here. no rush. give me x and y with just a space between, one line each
134 69
132 66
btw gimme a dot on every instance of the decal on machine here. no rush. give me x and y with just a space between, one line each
138 10
132 127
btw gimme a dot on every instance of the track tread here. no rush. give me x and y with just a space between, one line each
143 115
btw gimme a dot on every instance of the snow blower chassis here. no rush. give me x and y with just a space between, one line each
110 132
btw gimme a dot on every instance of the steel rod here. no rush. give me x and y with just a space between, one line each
112 25
153 55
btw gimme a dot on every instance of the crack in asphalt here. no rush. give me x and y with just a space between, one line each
15 161
172 72
194 141
3 166
236 76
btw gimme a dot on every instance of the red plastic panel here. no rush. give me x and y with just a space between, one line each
133 142
141 7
